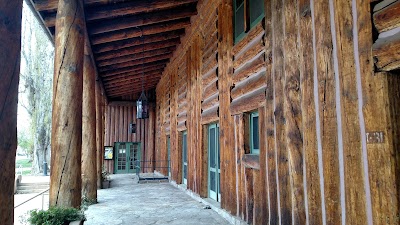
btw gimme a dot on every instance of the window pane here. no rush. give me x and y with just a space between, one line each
256 138
239 2
256 9
212 181
184 148
185 171
239 21
212 147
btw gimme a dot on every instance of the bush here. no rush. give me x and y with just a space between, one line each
55 216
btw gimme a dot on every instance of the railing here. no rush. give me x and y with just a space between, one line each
157 164
41 193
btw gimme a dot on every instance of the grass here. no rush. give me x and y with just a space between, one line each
25 163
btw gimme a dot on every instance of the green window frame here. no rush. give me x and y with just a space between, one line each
254 133
247 14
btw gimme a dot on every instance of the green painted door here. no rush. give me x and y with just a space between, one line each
126 154
214 170
184 157
169 155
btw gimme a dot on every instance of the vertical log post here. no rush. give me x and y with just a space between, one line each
10 45
89 170
99 130
66 140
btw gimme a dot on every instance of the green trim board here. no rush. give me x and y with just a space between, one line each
126 155
184 158
214 170
254 133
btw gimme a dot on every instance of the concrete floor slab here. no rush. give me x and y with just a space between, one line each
128 202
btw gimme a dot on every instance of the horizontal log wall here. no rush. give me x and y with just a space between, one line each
118 116
307 69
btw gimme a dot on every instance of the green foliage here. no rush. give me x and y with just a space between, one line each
25 142
86 202
104 174
55 216
25 163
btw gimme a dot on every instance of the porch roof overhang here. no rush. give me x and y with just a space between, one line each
128 38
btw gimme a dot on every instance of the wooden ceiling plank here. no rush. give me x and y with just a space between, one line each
134 63
136 56
137 49
127 75
127 82
137 41
135 32
132 68
140 20
135 87
149 74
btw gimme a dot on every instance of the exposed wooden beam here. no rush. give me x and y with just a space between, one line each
132 69
137 49
388 17
51 5
135 32
128 75
386 52
136 56
129 8
134 63
140 20
137 41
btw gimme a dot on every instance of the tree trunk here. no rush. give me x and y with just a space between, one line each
10 45
66 140
89 170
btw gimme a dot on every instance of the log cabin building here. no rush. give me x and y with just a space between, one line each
280 111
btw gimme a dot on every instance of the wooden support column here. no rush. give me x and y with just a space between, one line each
10 45
66 139
99 131
225 69
150 140
89 169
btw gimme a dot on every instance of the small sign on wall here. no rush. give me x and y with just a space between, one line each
375 137
108 152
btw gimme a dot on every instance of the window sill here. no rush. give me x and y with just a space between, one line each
251 161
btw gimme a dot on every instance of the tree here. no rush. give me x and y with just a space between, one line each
37 62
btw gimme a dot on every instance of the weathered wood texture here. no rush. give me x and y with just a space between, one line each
100 129
386 53
10 45
388 17
89 168
66 138
307 69
117 120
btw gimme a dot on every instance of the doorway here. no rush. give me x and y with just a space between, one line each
214 170
127 153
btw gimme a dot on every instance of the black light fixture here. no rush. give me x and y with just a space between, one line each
142 105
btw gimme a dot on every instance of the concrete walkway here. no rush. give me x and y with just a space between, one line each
128 202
